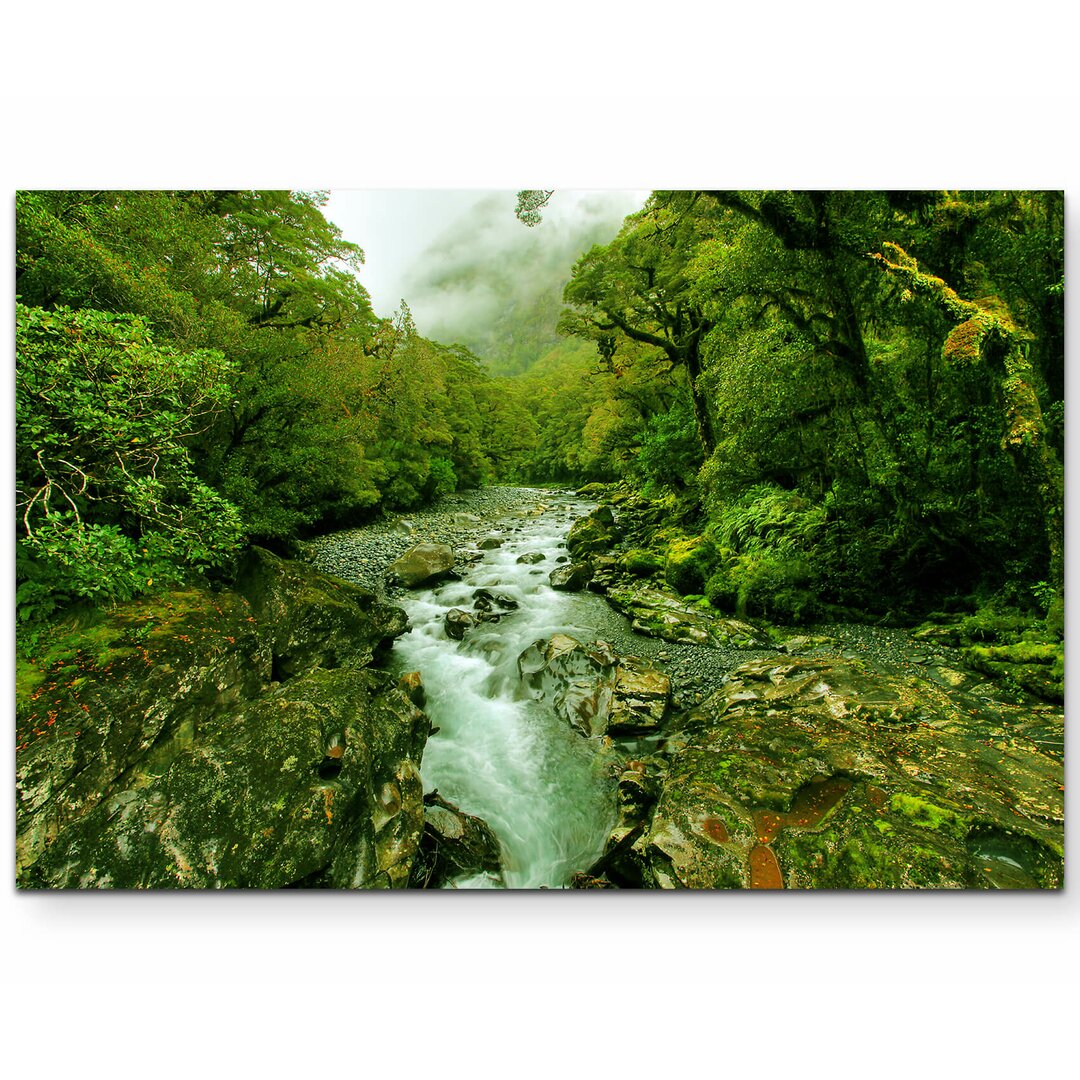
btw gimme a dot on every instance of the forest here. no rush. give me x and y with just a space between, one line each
851 404
729 554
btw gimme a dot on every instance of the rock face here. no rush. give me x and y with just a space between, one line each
805 773
596 691
234 739
422 563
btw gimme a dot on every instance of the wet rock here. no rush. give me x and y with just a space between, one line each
640 698
595 690
489 543
663 615
592 534
457 622
411 684
819 774
240 742
531 557
571 577
422 563
454 844
311 619
486 600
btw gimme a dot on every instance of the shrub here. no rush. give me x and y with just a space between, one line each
109 503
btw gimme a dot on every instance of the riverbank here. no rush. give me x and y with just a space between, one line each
363 556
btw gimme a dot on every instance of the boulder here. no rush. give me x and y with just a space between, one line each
489 543
457 622
596 691
818 773
660 614
571 577
640 697
422 563
531 557
454 844
411 684
486 600
592 534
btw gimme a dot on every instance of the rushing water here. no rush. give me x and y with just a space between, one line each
497 753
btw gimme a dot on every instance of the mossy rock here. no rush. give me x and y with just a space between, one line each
232 738
689 564
816 773
641 563
592 535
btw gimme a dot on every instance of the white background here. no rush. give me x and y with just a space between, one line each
487 95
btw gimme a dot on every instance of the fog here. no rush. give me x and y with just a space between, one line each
463 262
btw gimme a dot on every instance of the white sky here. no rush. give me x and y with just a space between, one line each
395 227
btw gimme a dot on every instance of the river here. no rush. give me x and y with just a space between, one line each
498 753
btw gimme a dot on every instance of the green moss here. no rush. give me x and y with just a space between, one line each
642 563
928 815
689 564
1023 652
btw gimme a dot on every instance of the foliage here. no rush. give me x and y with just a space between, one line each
108 499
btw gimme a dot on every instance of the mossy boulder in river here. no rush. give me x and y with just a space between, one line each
593 534
822 774
223 739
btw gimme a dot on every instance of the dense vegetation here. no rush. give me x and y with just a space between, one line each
853 399
848 402
201 369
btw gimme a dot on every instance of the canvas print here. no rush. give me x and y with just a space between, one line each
591 540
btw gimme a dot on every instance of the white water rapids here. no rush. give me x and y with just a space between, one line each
498 754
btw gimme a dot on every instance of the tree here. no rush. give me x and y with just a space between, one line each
985 333
637 286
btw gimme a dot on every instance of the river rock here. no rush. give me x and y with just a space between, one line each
489 543
457 622
571 577
486 600
454 844
816 773
592 534
422 563
411 684
656 613
640 697
229 739
595 690
531 557
466 521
